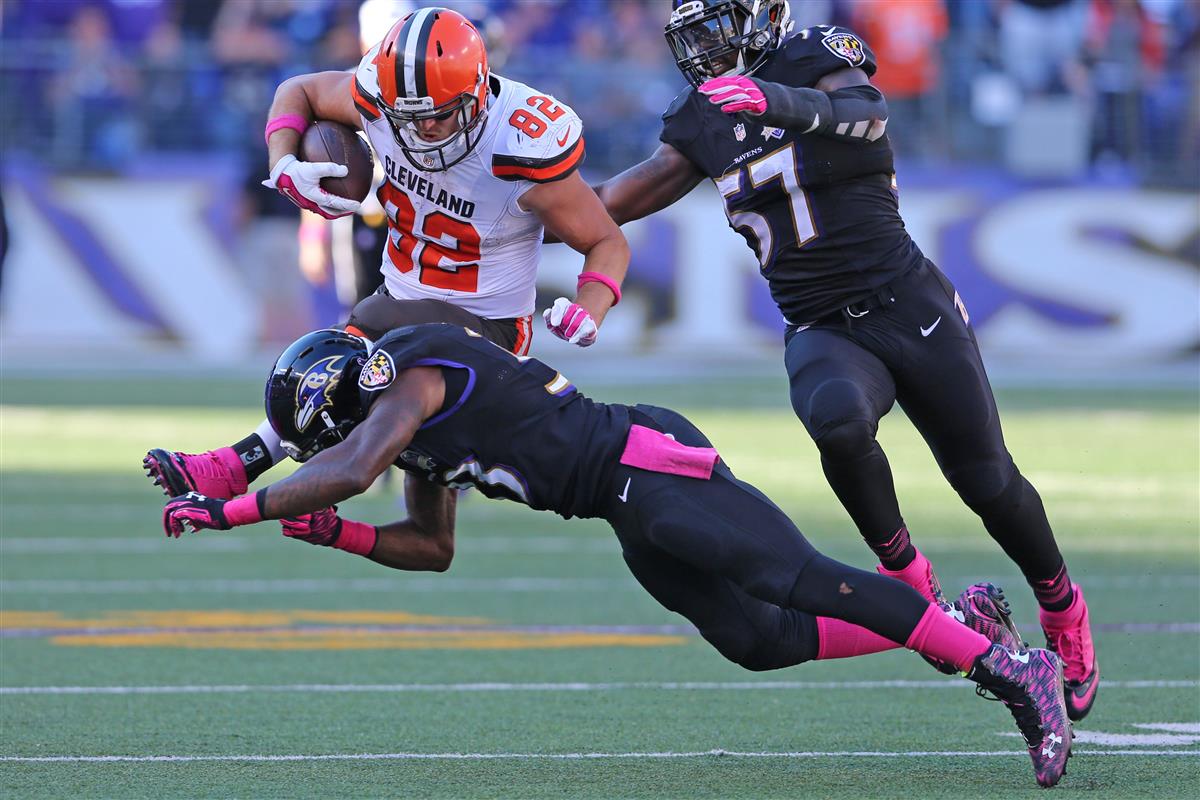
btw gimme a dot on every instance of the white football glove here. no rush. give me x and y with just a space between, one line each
300 182
571 322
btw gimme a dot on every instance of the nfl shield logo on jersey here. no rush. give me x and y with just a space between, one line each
845 46
739 132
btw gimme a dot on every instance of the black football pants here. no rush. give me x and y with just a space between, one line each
380 312
720 553
919 350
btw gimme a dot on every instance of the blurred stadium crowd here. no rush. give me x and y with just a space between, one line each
92 84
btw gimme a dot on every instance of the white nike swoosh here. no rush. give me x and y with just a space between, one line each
929 330
625 492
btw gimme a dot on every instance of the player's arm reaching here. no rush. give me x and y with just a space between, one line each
645 188
650 186
843 104
570 211
298 101
304 501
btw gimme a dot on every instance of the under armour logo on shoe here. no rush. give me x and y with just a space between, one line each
1022 657
1051 740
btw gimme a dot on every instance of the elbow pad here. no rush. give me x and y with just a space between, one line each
852 113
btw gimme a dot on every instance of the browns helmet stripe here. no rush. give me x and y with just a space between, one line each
419 49
386 67
412 66
401 75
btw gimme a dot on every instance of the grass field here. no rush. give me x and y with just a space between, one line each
241 664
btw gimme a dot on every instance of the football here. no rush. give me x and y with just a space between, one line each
332 141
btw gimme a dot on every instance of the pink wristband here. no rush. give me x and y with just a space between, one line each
599 277
293 121
243 510
357 537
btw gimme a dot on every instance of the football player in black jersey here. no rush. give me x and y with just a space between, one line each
453 410
792 133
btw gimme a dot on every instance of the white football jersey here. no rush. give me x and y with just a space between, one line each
459 235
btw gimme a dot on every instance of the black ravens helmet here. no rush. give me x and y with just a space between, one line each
312 393
725 37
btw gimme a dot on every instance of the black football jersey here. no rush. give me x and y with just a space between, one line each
511 426
821 214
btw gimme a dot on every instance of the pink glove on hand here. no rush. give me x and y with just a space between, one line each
326 529
196 512
320 527
571 322
300 182
735 93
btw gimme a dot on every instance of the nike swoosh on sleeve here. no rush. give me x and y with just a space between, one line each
564 138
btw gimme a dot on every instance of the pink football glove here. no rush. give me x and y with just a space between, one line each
571 322
320 527
300 182
194 512
735 93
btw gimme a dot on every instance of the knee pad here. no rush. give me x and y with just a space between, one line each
987 485
831 401
763 657
848 440
734 643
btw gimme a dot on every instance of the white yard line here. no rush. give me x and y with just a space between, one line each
580 756
394 688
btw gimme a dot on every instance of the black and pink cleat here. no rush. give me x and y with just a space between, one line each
217 473
985 610
982 608
1030 683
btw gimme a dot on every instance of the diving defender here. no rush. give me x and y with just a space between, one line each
454 410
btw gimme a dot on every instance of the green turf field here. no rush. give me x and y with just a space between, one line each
241 664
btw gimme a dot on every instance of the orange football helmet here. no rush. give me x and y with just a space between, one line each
432 64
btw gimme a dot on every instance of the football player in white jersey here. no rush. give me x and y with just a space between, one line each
477 168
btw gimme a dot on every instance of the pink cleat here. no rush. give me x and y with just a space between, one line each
983 608
919 575
1030 684
217 473
1069 634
